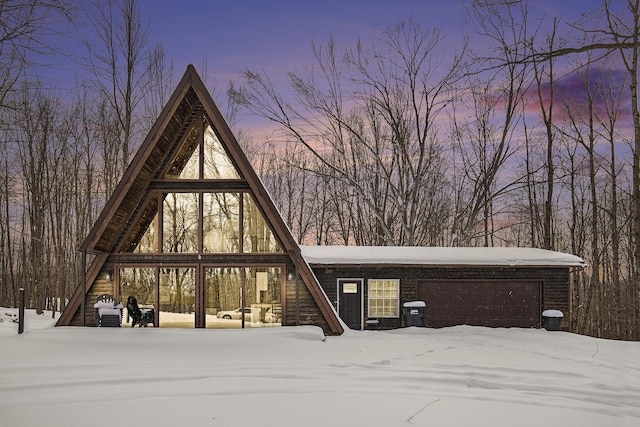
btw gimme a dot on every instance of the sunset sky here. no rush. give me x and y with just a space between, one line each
275 36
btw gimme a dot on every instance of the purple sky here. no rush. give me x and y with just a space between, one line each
275 36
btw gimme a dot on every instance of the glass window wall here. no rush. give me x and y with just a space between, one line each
259 288
263 297
217 164
223 296
149 241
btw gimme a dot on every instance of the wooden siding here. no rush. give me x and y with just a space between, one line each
310 313
70 313
101 286
555 282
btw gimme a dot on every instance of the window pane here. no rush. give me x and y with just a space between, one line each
192 168
140 284
177 297
149 241
217 164
221 221
258 236
186 164
383 298
223 297
263 297
180 223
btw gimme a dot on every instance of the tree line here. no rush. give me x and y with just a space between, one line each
529 138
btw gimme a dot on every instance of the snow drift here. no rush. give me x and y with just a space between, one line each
294 376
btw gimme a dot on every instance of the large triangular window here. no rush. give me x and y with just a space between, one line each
257 235
217 163
202 156
196 219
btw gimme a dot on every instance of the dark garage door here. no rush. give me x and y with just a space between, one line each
481 303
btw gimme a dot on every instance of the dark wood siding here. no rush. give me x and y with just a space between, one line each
100 287
554 282
309 313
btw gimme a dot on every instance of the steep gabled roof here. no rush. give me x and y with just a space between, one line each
128 208
190 99
174 120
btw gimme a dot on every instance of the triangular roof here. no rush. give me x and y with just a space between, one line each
125 213
188 100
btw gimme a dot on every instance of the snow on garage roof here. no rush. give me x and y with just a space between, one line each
418 255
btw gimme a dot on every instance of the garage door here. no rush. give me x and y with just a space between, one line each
481 303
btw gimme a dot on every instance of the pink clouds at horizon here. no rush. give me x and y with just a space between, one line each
572 92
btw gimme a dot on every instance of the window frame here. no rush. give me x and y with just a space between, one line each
383 298
245 198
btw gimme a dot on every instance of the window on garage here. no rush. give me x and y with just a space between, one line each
384 298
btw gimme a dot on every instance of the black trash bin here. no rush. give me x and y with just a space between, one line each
552 320
413 313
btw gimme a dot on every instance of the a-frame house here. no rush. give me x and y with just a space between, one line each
191 232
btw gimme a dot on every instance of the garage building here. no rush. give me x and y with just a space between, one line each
496 287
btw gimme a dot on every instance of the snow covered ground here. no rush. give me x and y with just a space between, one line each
461 376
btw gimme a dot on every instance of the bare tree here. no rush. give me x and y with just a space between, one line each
23 27
33 135
581 117
613 28
24 30
545 78
624 28
123 65
283 171
608 94
369 117
484 147
8 285
484 144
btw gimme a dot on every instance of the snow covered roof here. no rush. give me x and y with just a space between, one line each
417 255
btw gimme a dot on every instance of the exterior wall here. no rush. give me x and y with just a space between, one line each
309 312
99 287
555 283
